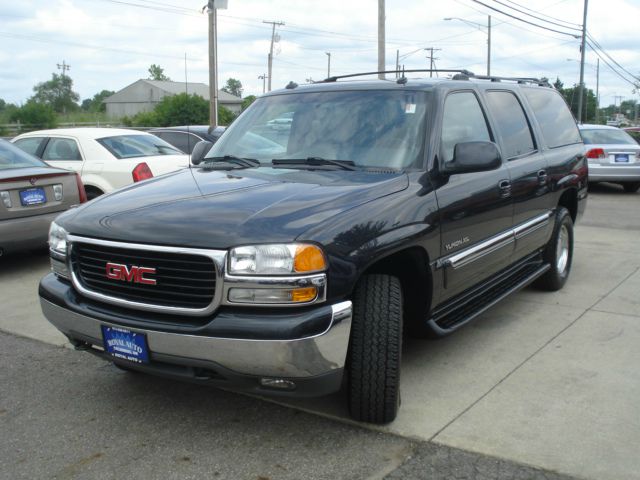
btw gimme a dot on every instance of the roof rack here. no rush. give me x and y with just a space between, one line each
459 75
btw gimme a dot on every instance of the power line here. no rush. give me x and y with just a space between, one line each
535 16
635 85
577 25
593 40
523 20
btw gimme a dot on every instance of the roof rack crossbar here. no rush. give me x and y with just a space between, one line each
338 77
543 82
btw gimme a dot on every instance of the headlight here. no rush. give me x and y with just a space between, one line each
276 259
58 250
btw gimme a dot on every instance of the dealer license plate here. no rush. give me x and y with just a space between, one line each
621 158
124 344
32 196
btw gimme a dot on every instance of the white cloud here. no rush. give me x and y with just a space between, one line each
110 45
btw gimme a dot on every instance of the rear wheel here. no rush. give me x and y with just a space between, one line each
558 253
375 349
631 187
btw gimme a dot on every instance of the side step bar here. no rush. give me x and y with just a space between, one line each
464 308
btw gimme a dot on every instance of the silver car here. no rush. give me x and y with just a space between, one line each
613 155
32 194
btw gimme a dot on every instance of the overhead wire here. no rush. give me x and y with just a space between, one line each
536 17
544 14
523 20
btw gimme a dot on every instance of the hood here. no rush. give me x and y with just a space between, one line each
220 209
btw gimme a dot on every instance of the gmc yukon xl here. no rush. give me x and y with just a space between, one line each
292 261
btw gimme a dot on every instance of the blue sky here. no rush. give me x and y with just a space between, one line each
111 43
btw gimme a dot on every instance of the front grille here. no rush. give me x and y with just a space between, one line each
182 280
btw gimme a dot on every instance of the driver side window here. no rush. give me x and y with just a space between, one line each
462 121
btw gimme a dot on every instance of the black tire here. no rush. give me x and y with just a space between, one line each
560 244
375 349
631 187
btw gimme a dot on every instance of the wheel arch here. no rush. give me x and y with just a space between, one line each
411 266
569 200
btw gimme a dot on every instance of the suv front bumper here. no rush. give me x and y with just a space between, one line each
309 365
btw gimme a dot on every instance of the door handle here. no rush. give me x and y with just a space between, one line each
542 177
505 188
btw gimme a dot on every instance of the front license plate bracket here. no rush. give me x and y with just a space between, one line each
125 344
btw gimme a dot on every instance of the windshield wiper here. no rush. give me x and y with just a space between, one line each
242 162
314 161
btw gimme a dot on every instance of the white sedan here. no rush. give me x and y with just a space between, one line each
106 158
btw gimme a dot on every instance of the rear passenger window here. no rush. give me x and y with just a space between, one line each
29 145
61 149
556 121
511 123
462 121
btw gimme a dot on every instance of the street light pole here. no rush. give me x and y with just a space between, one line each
480 27
328 64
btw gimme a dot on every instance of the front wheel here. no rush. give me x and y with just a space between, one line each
558 253
375 349
631 187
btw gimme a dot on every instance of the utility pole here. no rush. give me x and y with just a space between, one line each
328 64
263 78
64 67
270 59
597 90
212 5
381 40
615 100
397 63
582 42
489 46
431 59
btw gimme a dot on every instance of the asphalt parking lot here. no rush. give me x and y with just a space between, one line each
543 381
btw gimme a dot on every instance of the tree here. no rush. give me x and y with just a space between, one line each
225 116
156 72
96 104
3 105
572 96
34 116
57 93
234 87
246 101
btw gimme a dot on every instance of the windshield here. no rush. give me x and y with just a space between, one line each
381 129
130 146
604 136
12 157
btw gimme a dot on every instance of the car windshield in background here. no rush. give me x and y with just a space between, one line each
602 136
131 146
376 129
12 157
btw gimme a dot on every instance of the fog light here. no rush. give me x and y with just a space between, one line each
272 295
6 199
277 383
57 192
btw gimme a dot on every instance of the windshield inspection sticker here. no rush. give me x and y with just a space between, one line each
410 108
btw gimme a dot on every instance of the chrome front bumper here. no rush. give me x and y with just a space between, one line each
297 358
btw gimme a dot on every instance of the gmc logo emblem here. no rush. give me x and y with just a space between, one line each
134 274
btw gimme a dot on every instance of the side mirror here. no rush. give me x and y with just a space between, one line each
199 151
473 157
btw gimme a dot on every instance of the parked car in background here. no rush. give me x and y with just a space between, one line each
613 156
32 194
106 158
185 138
